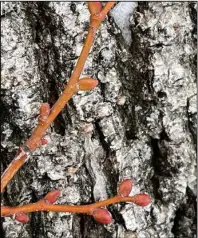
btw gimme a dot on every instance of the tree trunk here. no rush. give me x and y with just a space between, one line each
139 123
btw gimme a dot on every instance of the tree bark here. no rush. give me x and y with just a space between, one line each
139 123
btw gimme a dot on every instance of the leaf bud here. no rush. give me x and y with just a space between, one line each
103 216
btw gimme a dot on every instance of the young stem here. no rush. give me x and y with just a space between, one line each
107 8
9 173
43 206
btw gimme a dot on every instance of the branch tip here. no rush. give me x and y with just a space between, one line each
141 199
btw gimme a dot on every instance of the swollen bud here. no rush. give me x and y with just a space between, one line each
94 7
85 84
52 196
125 188
21 217
101 215
141 199
44 111
44 141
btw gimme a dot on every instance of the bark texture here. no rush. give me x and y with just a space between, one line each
140 122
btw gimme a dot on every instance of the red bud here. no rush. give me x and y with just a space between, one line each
94 7
19 151
87 84
44 141
44 111
141 199
125 188
21 217
52 196
101 215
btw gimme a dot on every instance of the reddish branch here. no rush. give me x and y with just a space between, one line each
42 205
99 214
46 117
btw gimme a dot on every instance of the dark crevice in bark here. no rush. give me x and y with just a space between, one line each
192 118
73 7
108 168
164 136
116 215
59 123
103 89
193 15
142 6
76 226
7 115
2 230
186 217
82 226
93 229
156 185
155 164
161 165
192 125
6 158
128 115
101 136
136 75
36 225
127 111
89 183
112 176
5 198
45 31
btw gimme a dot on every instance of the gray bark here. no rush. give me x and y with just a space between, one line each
139 123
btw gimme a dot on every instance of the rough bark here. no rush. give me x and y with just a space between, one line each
140 122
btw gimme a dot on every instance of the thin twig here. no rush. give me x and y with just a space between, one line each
42 205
